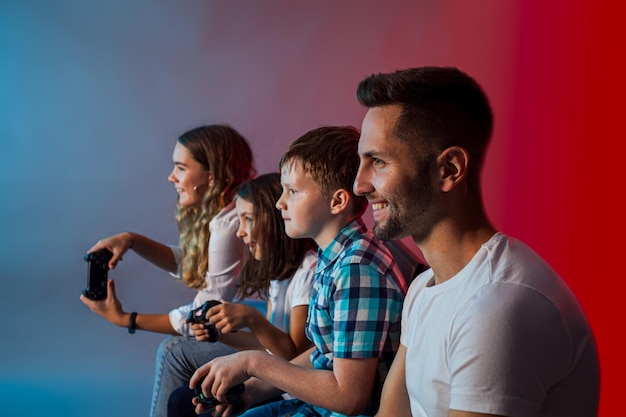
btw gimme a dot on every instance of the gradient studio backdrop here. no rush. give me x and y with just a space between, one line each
94 94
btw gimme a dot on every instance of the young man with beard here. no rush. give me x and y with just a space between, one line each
490 329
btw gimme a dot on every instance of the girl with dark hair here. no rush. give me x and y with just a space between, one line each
278 269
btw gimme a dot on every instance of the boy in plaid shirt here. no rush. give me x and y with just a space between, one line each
355 309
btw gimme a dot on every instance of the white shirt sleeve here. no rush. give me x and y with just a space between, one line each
222 276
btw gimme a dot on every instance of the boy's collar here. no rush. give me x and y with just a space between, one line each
355 227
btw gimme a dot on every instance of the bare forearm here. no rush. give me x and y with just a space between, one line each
241 340
287 345
229 317
333 390
154 252
394 401
273 339
158 323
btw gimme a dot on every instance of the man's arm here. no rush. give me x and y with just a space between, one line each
394 400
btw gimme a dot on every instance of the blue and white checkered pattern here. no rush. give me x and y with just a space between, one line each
356 303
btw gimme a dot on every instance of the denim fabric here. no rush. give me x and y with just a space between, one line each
177 359
285 408
291 408
180 405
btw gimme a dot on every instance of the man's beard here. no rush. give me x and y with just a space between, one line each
393 228
416 200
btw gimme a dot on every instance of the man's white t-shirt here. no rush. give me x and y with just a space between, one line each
504 336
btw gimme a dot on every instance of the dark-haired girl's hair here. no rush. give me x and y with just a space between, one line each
281 255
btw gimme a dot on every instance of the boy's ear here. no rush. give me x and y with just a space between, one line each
340 201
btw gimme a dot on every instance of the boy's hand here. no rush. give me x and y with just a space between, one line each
221 409
221 374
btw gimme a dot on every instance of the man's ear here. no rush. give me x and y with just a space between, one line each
340 201
452 164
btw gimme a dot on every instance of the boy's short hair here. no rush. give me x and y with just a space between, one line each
329 155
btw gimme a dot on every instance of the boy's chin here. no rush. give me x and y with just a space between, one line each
294 235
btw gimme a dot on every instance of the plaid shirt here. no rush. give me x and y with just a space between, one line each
356 305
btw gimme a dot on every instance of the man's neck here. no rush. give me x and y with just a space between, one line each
449 249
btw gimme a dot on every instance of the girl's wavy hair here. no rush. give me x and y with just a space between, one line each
281 255
224 152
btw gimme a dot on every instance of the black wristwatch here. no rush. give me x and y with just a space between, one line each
132 325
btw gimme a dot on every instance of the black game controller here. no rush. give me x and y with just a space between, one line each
232 396
198 315
97 274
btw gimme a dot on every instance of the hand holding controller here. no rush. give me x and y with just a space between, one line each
97 274
232 396
198 315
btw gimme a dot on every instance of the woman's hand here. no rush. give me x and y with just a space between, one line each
118 245
110 308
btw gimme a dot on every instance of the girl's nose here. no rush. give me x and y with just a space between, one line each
172 177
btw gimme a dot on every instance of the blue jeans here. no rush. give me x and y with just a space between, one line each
290 408
284 408
177 359
180 404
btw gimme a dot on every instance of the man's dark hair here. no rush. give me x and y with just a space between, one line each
441 107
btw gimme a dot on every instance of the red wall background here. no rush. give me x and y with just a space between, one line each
566 167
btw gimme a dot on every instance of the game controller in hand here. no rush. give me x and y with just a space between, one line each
97 274
232 396
198 315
